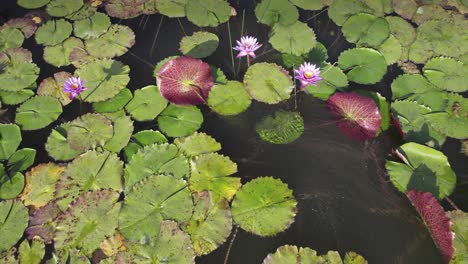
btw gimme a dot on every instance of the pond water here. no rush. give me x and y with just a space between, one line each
345 200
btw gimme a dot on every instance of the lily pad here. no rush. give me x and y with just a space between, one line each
38 112
18 97
114 104
420 51
213 172
409 85
171 8
117 40
32 4
124 9
199 45
123 129
86 11
150 201
391 50
146 104
276 12
92 27
18 55
59 55
459 226
402 30
10 139
10 186
21 160
42 224
208 13
282 127
53 86
180 121
309 4
54 32
258 200
89 131
18 76
424 169
341 10
333 79
40 184
57 145
61 8
290 254
366 29
13 221
268 83
229 99
364 65
447 73
297 38
445 38
197 144
10 38
26 25
104 79
88 221
141 139
31 254
210 224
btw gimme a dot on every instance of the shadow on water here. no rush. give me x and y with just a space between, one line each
345 200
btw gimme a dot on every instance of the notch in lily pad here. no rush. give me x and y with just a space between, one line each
199 45
282 127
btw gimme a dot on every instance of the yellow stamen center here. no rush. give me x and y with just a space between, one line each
308 74
74 86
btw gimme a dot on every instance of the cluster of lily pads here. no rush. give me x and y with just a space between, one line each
124 196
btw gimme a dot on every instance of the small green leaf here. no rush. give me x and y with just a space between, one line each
89 131
366 29
333 79
402 30
31 254
21 160
61 8
40 184
10 186
13 222
391 50
208 13
117 40
260 199
123 129
59 55
10 38
54 32
32 4
146 104
92 27
309 4
17 97
459 226
276 12
142 139
10 139
180 121
171 8
341 10
18 76
364 65
199 45
114 104
38 112
420 51
297 38
447 73
197 144
57 145
229 99
281 128
407 85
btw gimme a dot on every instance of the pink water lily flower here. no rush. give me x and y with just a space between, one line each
308 73
247 46
74 86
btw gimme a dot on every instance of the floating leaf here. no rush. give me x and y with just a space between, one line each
38 112
171 8
123 129
276 12
53 86
17 55
364 65
156 159
268 83
208 13
54 31
436 221
150 201
88 221
14 220
89 131
229 99
213 172
59 55
124 9
293 254
420 51
282 127
10 139
258 200
447 73
391 50
31 254
185 81
26 25
218 75
40 184
57 145
341 10
180 121
9 256
333 79
424 169
146 104
10 186
297 39
61 8
10 38
117 40
113 245
210 224
80 57
32 4
357 116
141 139
21 160
444 38
92 27
459 226
18 97
197 144
18 76
366 29
411 85
104 79
402 30
199 45
309 4
86 11
114 104
41 223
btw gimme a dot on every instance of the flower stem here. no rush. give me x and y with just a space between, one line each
248 61
230 45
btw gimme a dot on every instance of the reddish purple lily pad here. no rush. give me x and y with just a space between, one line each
38 16
185 81
358 116
17 55
124 9
41 222
25 24
436 221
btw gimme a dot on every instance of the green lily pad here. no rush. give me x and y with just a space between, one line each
38 112
61 8
420 51
208 13
88 221
150 201
171 8
258 200
13 221
318 54
89 172
199 45
86 11
281 128
333 79
146 104
10 139
92 27
409 85
18 97
80 57
447 73
180 121
104 79
366 29
17 55
89 131
31 254
10 186
59 55
21 160
197 144
213 172
364 65
341 10
32 4
40 184
124 9
123 129
10 38
402 30
424 169
18 76
459 226
141 139
114 104
309 4
391 50
210 224
53 86
445 38
229 99
276 12
53 32
57 145
297 38
117 40
154 160
268 83
290 254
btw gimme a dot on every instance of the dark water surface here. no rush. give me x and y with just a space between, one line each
345 200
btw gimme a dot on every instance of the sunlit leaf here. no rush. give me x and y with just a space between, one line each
199 45
207 13
89 131
61 8
18 76
276 12
363 65
447 73
229 99
59 55
333 79
38 112
309 4
40 184
26 25
366 29
123 129
297 38
53 86
10 184
54 31
180 121
282 127
147 104
117 40
13 221
92 27
32 4
21 160
31 254
459 226
197 144
114 104
10 139
57 145
10 38
171 8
